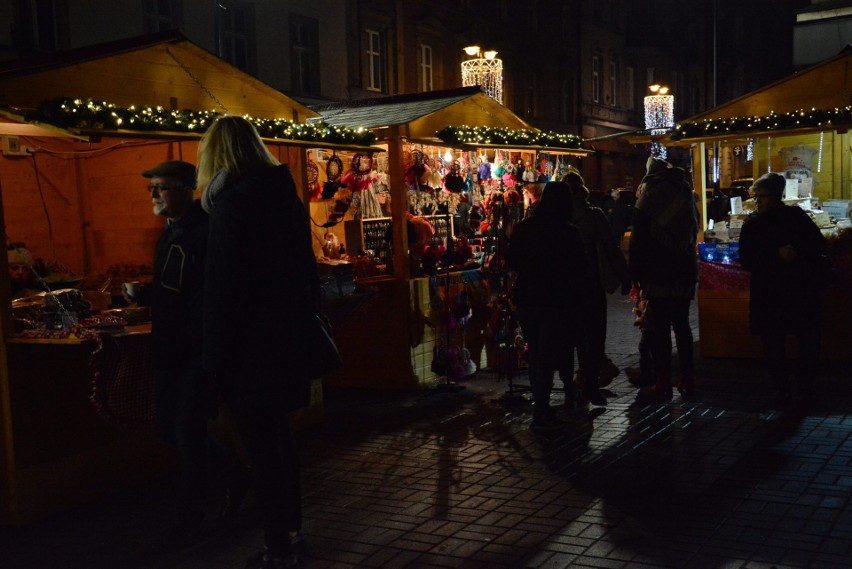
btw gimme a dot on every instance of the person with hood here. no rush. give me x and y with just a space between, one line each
261 283
664 268
546 253
781 247
607 272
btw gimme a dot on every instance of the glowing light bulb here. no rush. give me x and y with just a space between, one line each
472 50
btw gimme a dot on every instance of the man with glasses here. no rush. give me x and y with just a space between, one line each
183 397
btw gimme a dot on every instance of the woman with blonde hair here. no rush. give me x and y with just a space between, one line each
259 240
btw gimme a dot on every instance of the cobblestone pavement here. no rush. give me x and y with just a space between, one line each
455 478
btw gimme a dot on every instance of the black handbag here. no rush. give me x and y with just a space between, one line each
322 356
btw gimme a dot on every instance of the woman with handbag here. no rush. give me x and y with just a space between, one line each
260 304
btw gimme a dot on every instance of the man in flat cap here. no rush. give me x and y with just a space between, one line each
184 397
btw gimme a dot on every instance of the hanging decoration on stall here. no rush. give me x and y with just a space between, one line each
87 114
737 125
479 136
454 181
314 187
333 170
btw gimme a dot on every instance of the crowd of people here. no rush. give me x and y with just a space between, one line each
220 361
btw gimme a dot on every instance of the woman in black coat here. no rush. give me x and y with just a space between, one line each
546 253
261 284
782 247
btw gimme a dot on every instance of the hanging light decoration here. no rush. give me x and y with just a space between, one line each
485 70
659 115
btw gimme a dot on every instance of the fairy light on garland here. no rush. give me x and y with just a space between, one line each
813 118
88 114
480 135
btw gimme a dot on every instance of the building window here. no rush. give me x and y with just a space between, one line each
162 15
426 68
375 61
236 34
38 26
649 76
304 54
630 88
596 79
613 82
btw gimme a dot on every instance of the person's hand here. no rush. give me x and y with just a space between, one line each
788 254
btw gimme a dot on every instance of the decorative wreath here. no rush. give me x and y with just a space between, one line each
362 164
333 168
314 188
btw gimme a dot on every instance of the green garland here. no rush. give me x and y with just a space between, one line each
91 115
477 135
745 125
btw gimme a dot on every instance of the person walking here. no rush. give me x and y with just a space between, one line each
664 268
546 253
606 272
781 247
259 252
183 396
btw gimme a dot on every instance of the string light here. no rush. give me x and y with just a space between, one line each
487 72
819 156
750 150
794 119
769 154
479 135
89 114
659 116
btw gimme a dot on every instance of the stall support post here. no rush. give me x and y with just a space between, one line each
399 205
699 177
8 495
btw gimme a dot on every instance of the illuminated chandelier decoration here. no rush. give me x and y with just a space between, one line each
485 70
659 116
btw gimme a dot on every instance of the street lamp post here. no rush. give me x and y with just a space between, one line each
485 70
659 115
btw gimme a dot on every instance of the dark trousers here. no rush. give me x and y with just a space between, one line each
182 407
265 431
775 356
548 333
592 340
667 314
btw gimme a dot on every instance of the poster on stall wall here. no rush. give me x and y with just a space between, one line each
791 192
736 205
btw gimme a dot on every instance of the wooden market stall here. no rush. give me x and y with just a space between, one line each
395 342
796 126
71 190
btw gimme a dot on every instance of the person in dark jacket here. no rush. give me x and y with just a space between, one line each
261 285
183 396
664 268
546 253
781 247
606 272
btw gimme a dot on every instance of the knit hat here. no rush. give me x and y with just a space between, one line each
20 256
184 172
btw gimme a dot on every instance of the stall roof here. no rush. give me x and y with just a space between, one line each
164 69
423 114
814 99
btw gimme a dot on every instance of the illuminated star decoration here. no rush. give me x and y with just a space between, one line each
91 115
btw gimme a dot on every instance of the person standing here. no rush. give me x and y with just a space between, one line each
664 267
607 271
183 395
261 283
546 253
781 247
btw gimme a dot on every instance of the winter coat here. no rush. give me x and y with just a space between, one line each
784 297
547 254
662 258
261 286
600 248
177 292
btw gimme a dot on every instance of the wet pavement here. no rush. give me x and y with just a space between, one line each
455 478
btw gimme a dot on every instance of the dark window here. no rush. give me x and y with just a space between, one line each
162 15
375 67
236 34
596 79
304 48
